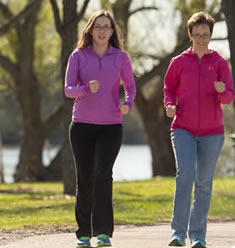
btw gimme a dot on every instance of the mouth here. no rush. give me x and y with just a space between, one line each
101 37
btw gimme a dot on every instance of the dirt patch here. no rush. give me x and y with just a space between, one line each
12 235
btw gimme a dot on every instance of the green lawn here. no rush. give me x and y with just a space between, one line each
137 202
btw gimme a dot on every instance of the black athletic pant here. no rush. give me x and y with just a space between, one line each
95 148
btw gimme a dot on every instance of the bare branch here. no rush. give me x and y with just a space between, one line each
15 20
8 82
219 39
218 16
9 66
163 63
56 13
6 11
141 9
82 12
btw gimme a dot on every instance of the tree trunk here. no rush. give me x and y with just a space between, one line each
69 39
30 161
68 31
1 162
157 126
228 7
163 163
121 14
68 169
53 172
28 95
26 88
151 111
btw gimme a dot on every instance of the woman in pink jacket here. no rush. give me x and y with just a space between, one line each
94 72
197 82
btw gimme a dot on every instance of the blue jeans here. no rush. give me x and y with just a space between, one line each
196 158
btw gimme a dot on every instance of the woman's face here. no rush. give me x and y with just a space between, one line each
200 36
102 31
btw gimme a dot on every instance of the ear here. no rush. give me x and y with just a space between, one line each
190 36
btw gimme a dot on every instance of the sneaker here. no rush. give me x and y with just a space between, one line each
177 241
83 241
103 240
198 243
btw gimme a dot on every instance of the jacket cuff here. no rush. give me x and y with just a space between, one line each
87 88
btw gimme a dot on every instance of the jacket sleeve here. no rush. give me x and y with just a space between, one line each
73 88
225 76
127 77
171 83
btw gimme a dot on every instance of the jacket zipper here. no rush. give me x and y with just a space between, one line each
99 62
199 88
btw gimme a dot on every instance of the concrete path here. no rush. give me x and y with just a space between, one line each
219 235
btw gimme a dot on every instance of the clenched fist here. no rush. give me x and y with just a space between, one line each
219 86
94 86
171 111
124 109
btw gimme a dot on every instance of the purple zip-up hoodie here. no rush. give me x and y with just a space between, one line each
102 107
189 84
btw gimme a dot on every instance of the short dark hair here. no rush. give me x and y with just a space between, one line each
200 18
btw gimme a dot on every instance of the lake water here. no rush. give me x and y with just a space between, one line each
133 162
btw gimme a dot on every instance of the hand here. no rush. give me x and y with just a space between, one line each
124 109
170 111
219 86
94 86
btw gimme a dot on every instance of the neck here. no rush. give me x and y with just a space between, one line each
100 49
200 52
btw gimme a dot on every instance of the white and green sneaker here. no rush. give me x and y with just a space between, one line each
103 240
83 241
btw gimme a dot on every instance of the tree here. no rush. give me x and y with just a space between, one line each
25 85
228 8
150 106
1 162
68 32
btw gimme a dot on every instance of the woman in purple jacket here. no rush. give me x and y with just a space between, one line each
197 82
94 72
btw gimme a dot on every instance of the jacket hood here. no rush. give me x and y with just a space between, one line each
211 55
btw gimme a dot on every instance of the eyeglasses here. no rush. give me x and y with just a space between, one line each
102 28
203 36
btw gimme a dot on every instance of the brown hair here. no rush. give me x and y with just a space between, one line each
116 39
200 18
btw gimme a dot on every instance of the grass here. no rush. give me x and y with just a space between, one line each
137 202
144 202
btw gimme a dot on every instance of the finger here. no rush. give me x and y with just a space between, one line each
220 87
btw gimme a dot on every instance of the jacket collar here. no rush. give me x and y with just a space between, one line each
189 51
110 50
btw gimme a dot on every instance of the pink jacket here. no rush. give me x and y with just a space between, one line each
189 84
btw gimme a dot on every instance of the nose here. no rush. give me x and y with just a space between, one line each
102 29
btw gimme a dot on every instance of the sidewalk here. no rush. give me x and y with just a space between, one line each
219 235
